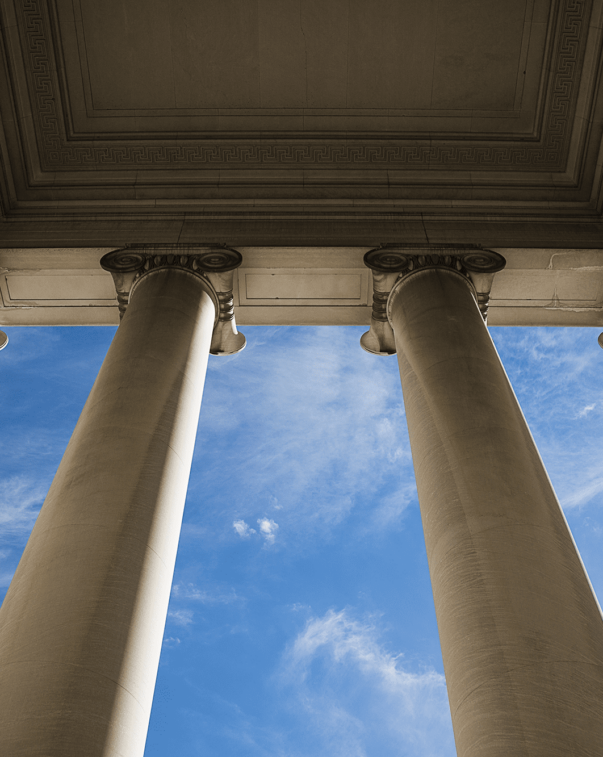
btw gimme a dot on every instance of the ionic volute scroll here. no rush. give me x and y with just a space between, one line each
215 265
392 263
226 340
380 338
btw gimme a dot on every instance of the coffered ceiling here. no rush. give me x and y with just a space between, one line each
283 120
303 133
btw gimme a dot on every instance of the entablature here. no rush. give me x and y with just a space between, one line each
300 286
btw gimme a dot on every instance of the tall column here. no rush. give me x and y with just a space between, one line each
520 628
82 624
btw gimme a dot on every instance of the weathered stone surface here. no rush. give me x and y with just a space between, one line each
82 623
520 628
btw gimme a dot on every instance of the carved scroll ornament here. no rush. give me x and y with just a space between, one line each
214 265
393 264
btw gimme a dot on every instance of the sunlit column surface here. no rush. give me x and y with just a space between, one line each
520 628
82 623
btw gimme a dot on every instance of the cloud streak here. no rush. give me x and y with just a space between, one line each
586 410
20 501
194 593
555 373
323 428
181 617
343 675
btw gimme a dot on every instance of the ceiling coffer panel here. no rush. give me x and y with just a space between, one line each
154 106
156 69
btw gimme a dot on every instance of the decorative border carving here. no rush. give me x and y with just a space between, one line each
58 154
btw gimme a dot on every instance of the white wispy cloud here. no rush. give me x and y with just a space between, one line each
30 345
243 529
20 501
268 529
181 617
345 638
586 410
354 688
190 591
585 492
388 513
324 427
549 369
299 607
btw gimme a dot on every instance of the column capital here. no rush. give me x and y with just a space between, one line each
213 264
393 264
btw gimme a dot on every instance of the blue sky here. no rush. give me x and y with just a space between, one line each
301 621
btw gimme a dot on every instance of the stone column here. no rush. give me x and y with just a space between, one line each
520 628
82 624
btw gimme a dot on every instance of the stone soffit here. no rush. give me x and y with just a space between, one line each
102 107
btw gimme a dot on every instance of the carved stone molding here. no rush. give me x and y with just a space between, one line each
392 265
61 153
214 265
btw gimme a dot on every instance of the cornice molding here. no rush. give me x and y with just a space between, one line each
295 229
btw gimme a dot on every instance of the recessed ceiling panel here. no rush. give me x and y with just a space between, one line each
382 108
346 55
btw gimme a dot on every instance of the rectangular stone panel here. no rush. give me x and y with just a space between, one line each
290 286
537 288
58 287
166 55
74 315
477 53
270 286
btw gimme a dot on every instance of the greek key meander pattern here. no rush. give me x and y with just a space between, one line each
550 154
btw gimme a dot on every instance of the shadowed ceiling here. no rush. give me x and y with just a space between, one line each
393 110
317 65
302 132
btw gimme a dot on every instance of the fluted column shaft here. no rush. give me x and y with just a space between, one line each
520 628
82 623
